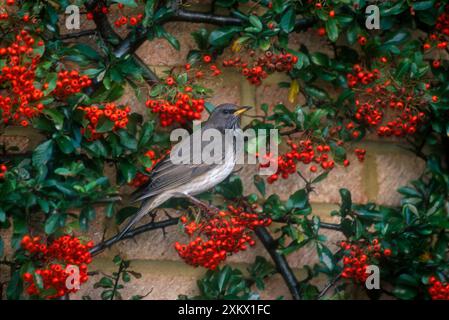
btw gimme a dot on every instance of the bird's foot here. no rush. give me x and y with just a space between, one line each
210 209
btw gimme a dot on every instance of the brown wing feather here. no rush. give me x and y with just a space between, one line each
166 175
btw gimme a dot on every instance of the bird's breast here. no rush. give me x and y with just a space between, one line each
209 179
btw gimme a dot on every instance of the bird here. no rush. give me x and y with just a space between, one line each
169 180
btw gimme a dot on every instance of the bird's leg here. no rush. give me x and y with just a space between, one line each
205 206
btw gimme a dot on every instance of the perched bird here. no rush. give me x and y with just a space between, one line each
169 180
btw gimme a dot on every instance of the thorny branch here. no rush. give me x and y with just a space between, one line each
153 225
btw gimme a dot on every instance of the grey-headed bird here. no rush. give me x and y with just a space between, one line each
169 180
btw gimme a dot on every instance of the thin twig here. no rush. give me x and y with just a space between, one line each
329 285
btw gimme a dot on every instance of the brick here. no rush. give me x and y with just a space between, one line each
153 245
226 88
163 280
395 171
275 288
14 143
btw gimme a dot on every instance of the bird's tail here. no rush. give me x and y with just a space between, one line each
146 207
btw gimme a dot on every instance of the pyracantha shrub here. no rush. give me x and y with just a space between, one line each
90 148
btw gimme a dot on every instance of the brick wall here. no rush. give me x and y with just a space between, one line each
387 166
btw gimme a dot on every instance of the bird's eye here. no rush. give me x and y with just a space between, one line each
227 111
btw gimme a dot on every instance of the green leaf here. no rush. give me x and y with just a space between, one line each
42 153
332 29
326 256
298 200
172 40
127 170
222 36
87 51
65 144
231 188
104 125
408 280
423 5
316 92
319 59
128 3
104 282
200 36
126 277
52 223
255 22
288 19
321 177
145 134
404 292
107 294
127 140
55 116
15 287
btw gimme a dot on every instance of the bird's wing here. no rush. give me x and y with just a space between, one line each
166 175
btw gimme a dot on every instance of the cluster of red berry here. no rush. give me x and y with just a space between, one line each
53 261
215 71
131 20
442 24
361 76
371 104
262 65
359 256
70 82
98 9
19 74
184 107
438 42
229 232
139 180
3 169
123 20
305 152
439 39
118 115
438 290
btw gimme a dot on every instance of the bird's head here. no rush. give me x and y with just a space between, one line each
226 116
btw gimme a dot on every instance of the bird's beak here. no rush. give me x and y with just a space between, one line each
241 110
